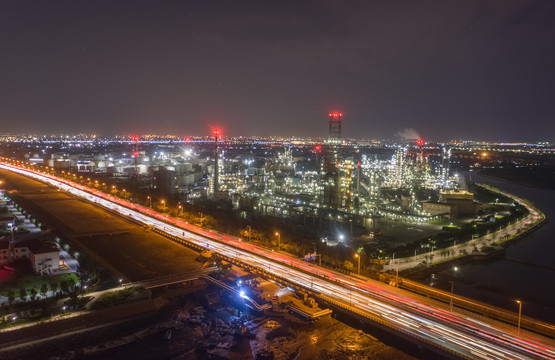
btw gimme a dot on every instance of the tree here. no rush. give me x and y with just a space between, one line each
64 286
348 265
53 285
11 297
33 294
43 290
70 282
23 294
87 269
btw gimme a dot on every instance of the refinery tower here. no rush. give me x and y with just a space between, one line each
332 180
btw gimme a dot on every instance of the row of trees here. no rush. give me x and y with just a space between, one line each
64 287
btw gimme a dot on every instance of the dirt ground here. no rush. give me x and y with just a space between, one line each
129 251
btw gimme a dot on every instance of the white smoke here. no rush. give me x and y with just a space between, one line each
408 134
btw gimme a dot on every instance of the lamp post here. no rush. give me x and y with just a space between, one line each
358 257
452 284
120 282
451 298
149 201
163 204
180 209
519 313
279 240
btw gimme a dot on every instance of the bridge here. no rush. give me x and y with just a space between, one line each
195 275
455 334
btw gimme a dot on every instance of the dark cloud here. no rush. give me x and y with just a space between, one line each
447 69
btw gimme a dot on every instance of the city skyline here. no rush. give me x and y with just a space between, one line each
442 71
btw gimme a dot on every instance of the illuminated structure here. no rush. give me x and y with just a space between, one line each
216 185
332 196
445 166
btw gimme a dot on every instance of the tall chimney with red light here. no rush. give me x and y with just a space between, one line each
216 162
335 128
332 179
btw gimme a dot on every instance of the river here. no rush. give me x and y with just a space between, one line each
502 281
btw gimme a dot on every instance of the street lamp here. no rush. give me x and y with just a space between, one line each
519 313
279 240
149 201
451 298
120 282
163 204
180 209
358 257
455 269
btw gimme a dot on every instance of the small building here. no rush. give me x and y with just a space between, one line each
447 195
43 255
436 208
462 200
165 181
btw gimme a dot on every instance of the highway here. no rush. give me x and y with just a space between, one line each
462 336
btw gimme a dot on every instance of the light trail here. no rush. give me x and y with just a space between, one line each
462 336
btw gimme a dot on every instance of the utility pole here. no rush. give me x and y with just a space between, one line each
451 299
519 313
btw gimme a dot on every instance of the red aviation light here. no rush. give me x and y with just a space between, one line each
188 139
318 148
336 114
217 132
135 153
420 142
135 138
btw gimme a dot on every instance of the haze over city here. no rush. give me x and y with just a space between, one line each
441 69
272 180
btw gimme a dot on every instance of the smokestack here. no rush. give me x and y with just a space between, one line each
216 161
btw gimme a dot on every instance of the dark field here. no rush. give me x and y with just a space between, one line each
121 247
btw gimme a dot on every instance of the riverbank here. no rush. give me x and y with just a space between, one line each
524 272
471 249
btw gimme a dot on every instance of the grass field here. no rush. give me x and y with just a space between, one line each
33 281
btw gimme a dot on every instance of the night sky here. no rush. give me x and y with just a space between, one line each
440 70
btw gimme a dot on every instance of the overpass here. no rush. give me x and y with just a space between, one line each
195 275
458 335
